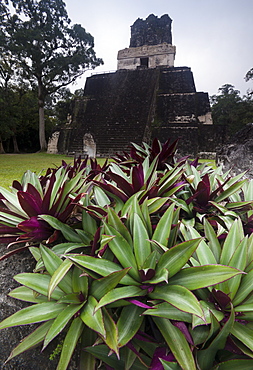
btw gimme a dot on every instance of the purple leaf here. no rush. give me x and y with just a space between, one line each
138 178
160 353
139 304
121 182
183 328
221 298
146 274
35 229
31 205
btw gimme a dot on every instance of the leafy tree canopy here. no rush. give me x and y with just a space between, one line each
49 52
229 108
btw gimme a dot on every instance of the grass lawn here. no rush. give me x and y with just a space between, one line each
13 166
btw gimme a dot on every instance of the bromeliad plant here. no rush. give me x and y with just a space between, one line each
155 273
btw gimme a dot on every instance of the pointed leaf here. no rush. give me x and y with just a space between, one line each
142 248
231 190
120 293
39 283
70 343
61 321
102 352
68 233
179 297
244 334
162 231
203 276
102 286
33 339
238 261
177 343
92 319
28 295
52 262
206 357
129 323
168 311
122 251
176 257
32 314
214 243
101 266
58 276
246 287
111 330
232 240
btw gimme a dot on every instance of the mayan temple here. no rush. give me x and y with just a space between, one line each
146 97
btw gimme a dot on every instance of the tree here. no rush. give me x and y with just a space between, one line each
50 53
228 108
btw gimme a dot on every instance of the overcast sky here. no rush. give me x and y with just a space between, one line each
212 37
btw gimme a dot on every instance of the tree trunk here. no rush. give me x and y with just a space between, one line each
15 144
42 135
2 151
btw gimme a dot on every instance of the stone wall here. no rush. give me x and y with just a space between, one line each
134 106
151 31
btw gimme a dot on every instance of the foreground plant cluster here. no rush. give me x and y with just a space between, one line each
143 263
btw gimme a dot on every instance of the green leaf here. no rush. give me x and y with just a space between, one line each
203 252
39 283
28 295
170 365
231 190
102 286
70 343
35 313
235 365
163 228
206 356
111 330
203 276
61 321
246 287
175 258
122 251
176 342
155 204
58 276
244 334
168 311
115 221
63 248
129 323
79 283
88 222
102 352
120 293
52 263
214 243
32 340
238 261
68 233
93 319
100 266
180 297
235 235
142 248
100 196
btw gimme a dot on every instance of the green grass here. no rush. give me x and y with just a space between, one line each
13 166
